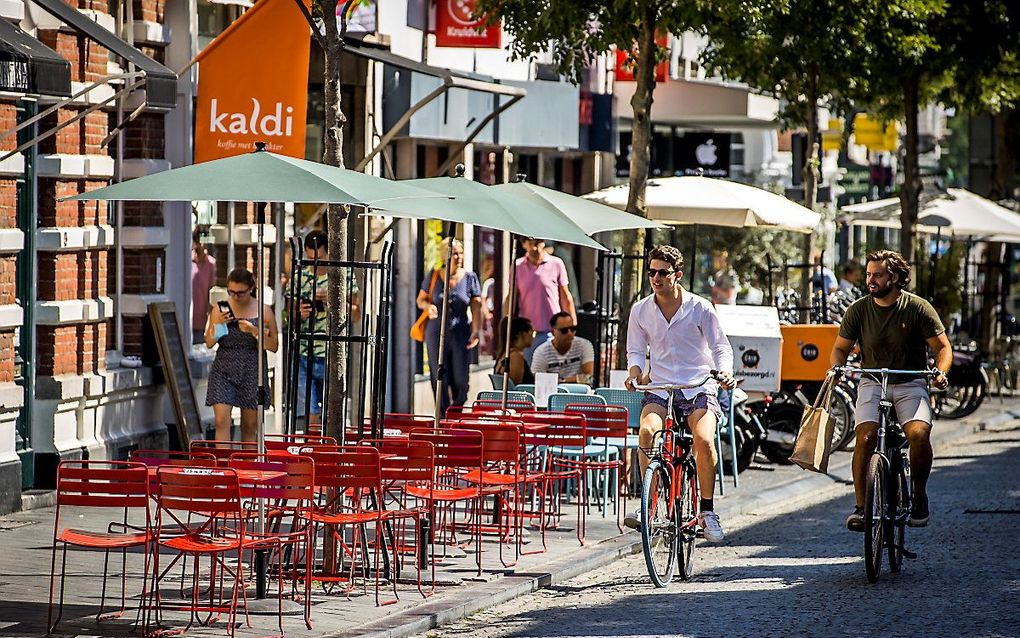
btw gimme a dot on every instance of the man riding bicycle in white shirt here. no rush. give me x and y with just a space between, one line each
682 333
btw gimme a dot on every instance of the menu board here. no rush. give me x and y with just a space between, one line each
174 357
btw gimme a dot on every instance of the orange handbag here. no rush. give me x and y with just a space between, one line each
418 327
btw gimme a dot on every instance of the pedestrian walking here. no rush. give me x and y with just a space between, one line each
461 330
233 379
203 277
542 290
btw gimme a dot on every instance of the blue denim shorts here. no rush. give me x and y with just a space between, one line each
318 384
684 407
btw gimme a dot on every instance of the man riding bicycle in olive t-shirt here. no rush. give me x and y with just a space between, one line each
892 328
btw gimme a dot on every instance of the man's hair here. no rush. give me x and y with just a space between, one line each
316 239
894 263
556 317
668 254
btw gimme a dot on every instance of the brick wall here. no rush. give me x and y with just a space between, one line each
6 357
57 349
69 213
88 59
149 10
143 138
8 120
141 271
8 203
143 213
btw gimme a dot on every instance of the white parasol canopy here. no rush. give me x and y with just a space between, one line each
714 202
957 211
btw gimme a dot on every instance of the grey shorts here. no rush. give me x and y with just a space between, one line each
910 400
684 407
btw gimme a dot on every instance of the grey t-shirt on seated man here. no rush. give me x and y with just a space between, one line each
548 359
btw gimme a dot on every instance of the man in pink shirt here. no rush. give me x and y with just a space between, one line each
541 290
203 276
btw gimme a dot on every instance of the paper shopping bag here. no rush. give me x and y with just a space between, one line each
814 438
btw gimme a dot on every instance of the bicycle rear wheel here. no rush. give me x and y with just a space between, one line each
687 518
898 508
658 524
874 516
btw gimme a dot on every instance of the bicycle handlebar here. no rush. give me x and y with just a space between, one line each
934 372
713 374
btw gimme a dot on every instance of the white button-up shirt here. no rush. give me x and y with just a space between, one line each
684 349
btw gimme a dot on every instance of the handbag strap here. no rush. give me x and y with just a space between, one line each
825 392
432 286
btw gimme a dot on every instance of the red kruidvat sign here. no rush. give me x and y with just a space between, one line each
456 26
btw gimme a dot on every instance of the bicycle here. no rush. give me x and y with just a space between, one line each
887 495
670 495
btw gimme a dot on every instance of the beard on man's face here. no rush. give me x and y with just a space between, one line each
881 291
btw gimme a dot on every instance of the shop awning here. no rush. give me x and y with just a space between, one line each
29 66
449 80
704 105
160 82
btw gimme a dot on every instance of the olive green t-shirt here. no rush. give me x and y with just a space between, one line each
892 336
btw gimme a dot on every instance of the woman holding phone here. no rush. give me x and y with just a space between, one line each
233 379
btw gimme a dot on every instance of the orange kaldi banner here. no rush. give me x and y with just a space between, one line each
253 84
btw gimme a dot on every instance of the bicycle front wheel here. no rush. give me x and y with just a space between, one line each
899 510
687 518
874 516
658 524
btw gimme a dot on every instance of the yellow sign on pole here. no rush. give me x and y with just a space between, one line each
870 132
832 137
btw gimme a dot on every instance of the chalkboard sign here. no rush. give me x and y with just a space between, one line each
175 370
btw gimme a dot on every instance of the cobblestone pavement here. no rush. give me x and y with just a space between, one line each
800 573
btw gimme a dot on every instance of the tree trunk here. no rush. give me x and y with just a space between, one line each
809 172
911 192
1004 180
809 175
336 216
641 138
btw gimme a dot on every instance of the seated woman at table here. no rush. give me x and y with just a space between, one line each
522 333
233 378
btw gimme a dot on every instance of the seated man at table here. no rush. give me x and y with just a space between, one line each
569 356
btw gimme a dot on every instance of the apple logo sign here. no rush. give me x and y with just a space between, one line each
705 153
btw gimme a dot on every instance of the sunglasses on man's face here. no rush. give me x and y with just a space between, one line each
567 329
662 272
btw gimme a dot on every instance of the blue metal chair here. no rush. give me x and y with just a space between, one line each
725 427
524 387
574 388
624 399
512 395
558 401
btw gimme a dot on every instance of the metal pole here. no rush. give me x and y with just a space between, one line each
440 369
260 555
509 320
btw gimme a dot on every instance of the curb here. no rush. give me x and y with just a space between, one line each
457 606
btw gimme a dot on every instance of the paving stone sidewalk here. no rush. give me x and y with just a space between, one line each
26 541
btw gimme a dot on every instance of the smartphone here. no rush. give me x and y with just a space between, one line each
226 311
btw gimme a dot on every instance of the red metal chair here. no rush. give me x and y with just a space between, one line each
406 463
207 496
404 423
503 477
286 500
546 435
607 427
351 479
457 452
286 442
115 485
223 450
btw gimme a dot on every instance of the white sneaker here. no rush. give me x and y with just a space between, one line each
632 520
710 526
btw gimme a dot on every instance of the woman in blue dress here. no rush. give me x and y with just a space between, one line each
461 330
233 378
